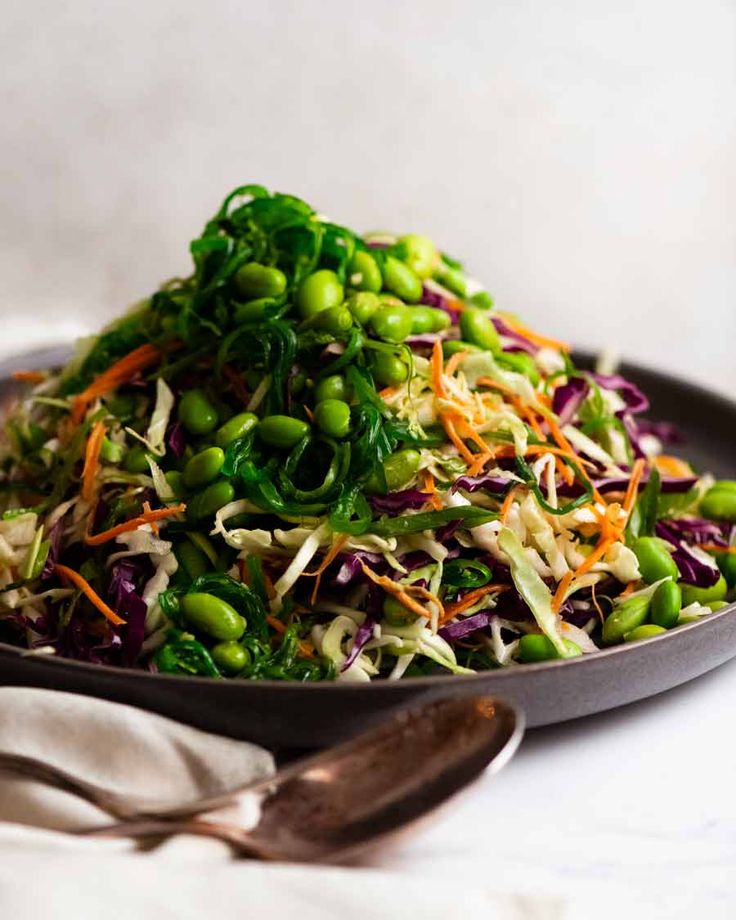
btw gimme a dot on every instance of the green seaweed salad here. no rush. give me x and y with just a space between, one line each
328 456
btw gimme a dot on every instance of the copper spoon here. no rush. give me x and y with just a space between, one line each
335 803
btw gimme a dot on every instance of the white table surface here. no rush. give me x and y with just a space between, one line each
636 804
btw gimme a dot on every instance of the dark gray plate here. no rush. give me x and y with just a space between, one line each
312 715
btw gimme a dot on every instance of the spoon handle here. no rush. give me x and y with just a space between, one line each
50 775
239 839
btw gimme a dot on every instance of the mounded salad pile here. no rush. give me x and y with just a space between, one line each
327 456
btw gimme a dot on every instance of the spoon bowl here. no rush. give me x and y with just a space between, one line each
334 805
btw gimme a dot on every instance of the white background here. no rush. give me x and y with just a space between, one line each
579 155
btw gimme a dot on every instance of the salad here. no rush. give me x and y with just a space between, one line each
328 456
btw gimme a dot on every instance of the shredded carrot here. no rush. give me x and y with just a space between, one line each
402 593
84 586
236 382
636 473
449 426
428 484
672 466
596 603
559 596
507 503
92 460
330 556
629 589
598 552
471 598
305 648
155 529
542 340
467 431
437 364
310 414
149 517
387 392
120 372
480 461
457 305
715 548
276 623
29 376
455 361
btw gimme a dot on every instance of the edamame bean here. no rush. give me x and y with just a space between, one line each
206 503
319 291
333 417
282 431
212 616
203 467
625 617
192 559
428 319
482 300
719 502
236 427
363 305
727 565
253 310
400 468
537 647
364 273
389 370
654 559
136 460
396 614
521 363
666 604
419 253
452 278
175 479
477 328
332 387
110 451
401 280
647 631
453 346
335 320
196 412
254 280
717 592
230 656
392 323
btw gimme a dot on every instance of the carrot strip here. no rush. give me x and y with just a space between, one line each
448 425
672 466
629 589
455 361
236 383
387 392
304 648
715 548
92 460
508 502
437 363
120 372
29 376
84 586
471 598
559 596
310 414
330 556
149 517
430 488
480 461
636 473
599 551
467 431
541 340
400 592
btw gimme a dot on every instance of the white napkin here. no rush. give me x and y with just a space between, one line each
46 873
